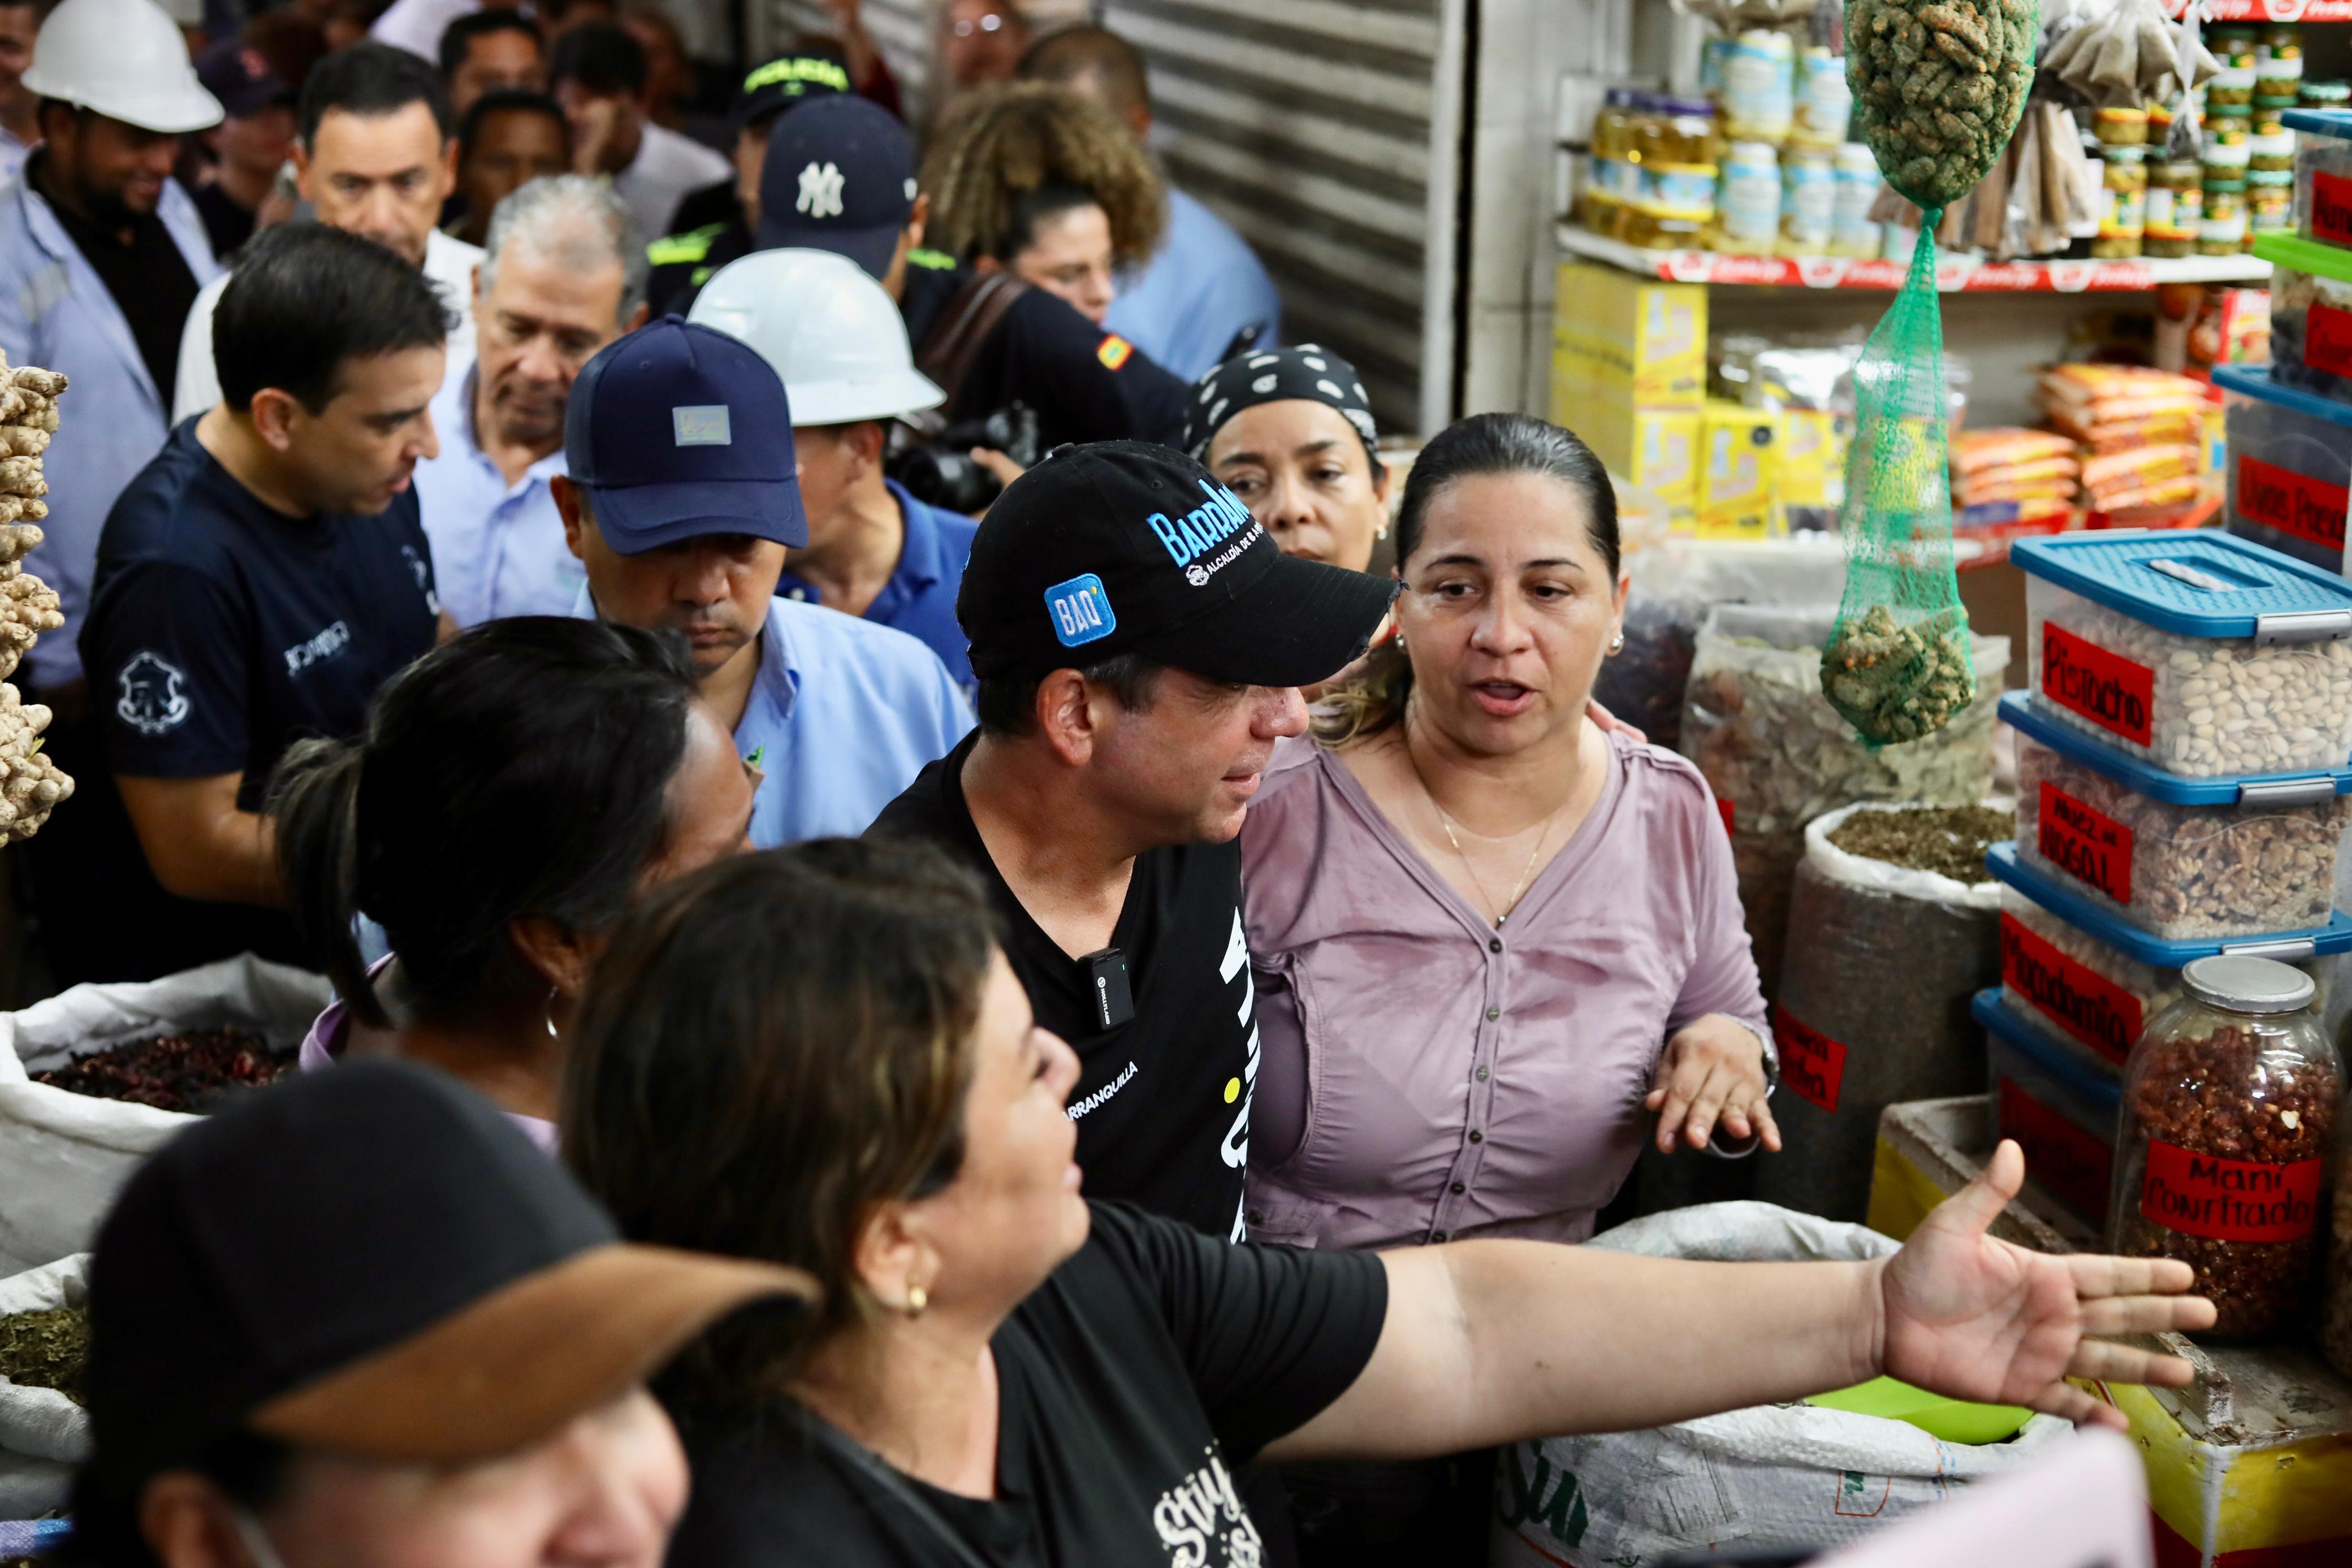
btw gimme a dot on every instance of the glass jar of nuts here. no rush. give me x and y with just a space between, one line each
2229 1116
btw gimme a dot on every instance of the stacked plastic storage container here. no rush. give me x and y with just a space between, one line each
2184 786
2290 423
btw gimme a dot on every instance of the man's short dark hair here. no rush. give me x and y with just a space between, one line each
370 80
304 298
602 58
508 101
1007 704
458 38
1090 54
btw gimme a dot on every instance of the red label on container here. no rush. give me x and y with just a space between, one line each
2297 503
2077 999
2229 1200
2331 208
2070 1163
1812 1064
2087 844
2111 691
2327 340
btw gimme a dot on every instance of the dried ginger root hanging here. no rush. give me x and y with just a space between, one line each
31 784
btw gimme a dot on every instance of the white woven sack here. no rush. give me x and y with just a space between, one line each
1785 1476
43 1433
63 1155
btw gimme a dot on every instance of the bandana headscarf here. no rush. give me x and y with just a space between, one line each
1276 375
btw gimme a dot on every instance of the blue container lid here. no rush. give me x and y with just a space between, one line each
2198 583
2337 122
1992 1009
2075 910
2021 713
2254 381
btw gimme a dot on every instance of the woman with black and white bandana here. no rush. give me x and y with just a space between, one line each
1290 432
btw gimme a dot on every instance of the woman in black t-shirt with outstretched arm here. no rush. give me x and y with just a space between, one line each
818 1056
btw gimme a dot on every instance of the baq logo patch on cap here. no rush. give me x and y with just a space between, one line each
1080 610
701 425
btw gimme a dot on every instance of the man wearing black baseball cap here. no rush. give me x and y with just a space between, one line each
251 143
714 225
680 501
840 176
357 1317
1139 639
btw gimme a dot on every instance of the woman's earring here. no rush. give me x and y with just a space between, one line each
1617 644
918 1299
550 1014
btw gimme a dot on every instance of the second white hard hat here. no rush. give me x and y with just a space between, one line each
122 58
825 326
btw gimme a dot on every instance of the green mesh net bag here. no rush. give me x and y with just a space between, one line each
1938 90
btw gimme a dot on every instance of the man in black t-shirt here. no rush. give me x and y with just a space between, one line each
255 583
1138 641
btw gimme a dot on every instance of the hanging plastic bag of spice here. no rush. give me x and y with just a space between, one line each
1937 88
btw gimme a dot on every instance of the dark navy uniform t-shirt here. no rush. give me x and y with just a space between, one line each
220 631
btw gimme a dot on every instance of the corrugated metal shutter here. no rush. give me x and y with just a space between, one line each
1308 124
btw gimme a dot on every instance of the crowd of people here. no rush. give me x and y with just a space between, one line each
1095 1021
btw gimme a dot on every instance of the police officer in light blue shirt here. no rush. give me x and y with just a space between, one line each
680 502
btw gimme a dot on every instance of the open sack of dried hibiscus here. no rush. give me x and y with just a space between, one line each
1937 88
67 1143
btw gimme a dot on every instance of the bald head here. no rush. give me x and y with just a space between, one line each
1098 63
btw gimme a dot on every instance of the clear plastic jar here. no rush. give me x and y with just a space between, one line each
2122 127
2274 153
1747 202
1825 103
2222 230
2270 203
2225 122
1677 130
2278 64
2322 95
1851 231
2229 1115
2175 204
1759 87
2226 159
1808 202
2123 203
2232 47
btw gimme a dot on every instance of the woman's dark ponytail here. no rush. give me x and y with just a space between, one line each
314 800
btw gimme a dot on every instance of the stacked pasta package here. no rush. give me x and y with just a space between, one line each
31 785
2033 470
2141 432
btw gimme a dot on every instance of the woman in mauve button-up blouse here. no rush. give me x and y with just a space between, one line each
1491 939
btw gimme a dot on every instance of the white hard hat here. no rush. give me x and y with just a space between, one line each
826 328
122 58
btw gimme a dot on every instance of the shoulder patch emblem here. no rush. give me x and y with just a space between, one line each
1114 350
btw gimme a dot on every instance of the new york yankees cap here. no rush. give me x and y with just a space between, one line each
679 431
1126 546
840 176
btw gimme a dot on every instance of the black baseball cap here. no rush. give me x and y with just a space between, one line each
372 1261
1124 547
677 430
236 74
840 176
770 88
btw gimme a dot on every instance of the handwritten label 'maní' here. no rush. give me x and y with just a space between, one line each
2085 844
2229 1200
2069 993
1812 1064
2114 692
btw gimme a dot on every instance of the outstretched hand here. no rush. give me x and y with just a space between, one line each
1978 1318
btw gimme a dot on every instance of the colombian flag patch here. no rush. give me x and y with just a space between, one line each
1114 350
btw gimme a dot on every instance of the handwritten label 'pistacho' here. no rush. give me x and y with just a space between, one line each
2114 692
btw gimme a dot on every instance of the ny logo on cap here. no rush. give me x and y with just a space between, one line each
820 194
701 425
1081 610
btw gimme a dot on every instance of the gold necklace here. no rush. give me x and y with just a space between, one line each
1502 911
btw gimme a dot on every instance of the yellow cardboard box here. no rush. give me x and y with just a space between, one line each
1738 472
1656 449
1811 458
1636 337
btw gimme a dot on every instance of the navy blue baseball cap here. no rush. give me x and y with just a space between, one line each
840 176
679 431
